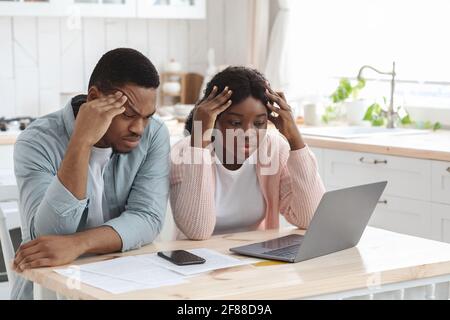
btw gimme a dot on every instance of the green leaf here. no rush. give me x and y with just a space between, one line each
369 113
378 122
358 87
406 120
427 125
329 109
437 126
343 91
361 84
377 109
346 85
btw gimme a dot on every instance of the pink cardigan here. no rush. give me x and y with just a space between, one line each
294 189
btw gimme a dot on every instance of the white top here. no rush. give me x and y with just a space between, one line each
240 204
97 164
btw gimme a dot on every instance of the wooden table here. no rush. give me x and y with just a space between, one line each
382 262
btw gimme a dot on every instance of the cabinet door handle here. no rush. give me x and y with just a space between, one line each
383 202
363 160
448 169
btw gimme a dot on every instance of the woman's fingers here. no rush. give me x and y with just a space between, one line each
277 99
223 107
213 93
275 111
281 94
222 98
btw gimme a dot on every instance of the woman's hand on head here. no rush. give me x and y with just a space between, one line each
205 116
283 118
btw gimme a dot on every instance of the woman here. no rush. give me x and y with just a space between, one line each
230 175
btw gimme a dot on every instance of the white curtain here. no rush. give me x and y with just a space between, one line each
260 33
277 67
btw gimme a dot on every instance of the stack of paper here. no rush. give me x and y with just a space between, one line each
135 273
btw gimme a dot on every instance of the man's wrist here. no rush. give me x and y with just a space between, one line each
82 243
80 142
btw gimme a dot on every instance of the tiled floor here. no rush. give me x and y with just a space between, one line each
4 291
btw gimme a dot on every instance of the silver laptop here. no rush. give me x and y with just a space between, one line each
338 224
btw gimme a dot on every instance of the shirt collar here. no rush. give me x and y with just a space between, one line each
70 112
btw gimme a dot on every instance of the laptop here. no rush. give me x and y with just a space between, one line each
338 224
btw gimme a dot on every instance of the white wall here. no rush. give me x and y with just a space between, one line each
40 57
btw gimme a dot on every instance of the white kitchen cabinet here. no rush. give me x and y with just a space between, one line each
172 9
412 217
69 8
32 8
158 9
101 8
440 182
319 157
7 177
6 157
441 222
407 177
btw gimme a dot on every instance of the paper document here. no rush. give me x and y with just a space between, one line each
122 275
214 261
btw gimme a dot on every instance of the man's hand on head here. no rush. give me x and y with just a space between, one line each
95 117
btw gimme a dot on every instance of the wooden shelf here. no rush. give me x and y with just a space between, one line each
191 84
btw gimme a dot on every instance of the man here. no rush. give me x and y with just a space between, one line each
94 176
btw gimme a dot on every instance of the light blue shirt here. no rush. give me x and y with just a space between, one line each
136 186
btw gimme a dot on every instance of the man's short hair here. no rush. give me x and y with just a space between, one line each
122 66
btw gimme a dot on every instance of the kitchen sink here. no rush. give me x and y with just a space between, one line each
357 132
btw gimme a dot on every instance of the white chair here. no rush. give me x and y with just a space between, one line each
8 194
10 219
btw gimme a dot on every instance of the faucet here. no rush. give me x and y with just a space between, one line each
390 114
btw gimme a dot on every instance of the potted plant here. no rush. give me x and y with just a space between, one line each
345 101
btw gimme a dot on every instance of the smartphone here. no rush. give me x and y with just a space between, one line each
181 257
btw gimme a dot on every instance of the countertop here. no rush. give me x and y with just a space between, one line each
7 138
431 145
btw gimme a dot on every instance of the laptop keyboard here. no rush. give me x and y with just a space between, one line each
285 252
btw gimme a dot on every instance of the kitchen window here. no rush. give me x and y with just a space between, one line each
332 39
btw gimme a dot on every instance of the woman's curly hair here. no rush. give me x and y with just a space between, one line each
244 82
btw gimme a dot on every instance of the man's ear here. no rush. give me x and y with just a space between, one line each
93 94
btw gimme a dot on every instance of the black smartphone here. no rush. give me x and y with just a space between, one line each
181 257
